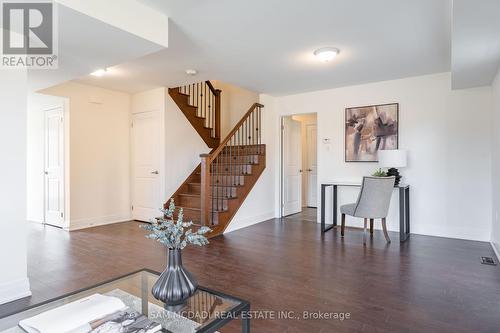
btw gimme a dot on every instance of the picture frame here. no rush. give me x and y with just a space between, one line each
368 129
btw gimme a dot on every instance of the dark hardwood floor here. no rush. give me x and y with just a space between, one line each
427 284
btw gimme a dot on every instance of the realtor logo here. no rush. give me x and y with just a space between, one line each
28 34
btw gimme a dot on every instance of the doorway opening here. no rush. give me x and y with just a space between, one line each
47 176
299 168
54 188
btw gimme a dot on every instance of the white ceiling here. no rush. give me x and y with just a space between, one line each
86 44
476 42
267 45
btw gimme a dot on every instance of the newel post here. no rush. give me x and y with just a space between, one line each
205 190
217 114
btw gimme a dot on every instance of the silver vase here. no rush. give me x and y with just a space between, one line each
175 285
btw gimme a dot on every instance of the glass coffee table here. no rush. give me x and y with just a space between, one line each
206 311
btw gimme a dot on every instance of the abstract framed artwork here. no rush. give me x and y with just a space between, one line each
369 129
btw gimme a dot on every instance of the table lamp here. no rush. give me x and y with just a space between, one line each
392 159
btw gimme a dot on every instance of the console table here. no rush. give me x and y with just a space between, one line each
404 207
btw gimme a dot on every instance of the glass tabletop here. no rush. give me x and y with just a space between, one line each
203 312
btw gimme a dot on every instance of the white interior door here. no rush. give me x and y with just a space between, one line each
292 167
312 165
146 187
54 167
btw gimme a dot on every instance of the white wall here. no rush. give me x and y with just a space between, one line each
260 203
183 145
449 142
14 281
37 105
235 102
495 230
99 154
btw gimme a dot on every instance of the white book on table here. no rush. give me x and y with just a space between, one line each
74 317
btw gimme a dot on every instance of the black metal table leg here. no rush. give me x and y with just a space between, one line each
245 320
407 206
404 213
323 187
335 205
323 200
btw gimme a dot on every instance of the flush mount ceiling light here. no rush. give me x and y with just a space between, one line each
326 54
99 72
191 72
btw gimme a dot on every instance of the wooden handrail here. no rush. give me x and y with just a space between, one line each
223 143
214 187
212 88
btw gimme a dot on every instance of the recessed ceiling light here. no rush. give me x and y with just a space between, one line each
99 72
191 72
326 53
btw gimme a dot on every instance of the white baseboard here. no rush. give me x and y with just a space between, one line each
98 221
496 248
241 223
14 290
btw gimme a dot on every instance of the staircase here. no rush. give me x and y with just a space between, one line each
215 190
200 103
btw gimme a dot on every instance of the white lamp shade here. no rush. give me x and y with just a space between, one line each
392 158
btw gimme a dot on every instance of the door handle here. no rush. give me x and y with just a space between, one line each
300 170
46 172
309 170
155 172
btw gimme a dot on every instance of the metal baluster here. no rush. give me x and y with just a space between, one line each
221 182
220 185
209 108
216 184
253 127
213 117
259 129
214 198
238 134
250 135
203 99
222 188
231 165
234 166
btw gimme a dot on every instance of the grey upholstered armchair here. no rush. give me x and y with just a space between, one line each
373 203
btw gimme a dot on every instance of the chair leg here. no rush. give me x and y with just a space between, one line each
371 226
364 231
384 228
342 226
